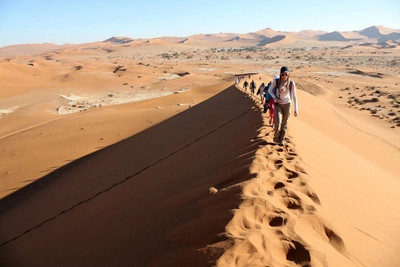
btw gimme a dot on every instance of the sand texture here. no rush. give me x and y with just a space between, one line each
145 153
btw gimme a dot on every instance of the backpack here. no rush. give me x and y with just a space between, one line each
266 94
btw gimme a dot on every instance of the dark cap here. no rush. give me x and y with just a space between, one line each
284 69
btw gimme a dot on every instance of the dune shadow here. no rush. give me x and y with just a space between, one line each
268 40
370 74
108 202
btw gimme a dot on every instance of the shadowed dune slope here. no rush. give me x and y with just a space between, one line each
114 206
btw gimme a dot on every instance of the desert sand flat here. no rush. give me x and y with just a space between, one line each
147 154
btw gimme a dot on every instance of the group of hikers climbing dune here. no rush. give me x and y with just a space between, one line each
278 96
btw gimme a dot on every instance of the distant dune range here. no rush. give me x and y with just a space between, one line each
266 37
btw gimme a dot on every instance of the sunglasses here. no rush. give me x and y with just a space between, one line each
284 74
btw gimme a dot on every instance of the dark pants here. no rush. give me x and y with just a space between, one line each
282 114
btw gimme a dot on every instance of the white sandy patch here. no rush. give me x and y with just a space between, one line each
254 72
270 71
74 103
169 77
205 69
7 110
72 97
338 73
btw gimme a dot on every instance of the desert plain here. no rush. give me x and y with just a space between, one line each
145 152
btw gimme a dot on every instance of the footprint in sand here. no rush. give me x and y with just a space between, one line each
293 204
309 209
289 158
292 201
335 240
300 169
278 164
298 254
314 197
278 218
277 221
291 174
279 185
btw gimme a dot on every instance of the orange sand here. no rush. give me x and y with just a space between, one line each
178 168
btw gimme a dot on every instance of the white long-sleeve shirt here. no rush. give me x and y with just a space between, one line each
284 94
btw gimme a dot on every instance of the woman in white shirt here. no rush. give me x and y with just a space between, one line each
283 91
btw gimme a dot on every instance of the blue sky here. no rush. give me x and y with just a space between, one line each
73 21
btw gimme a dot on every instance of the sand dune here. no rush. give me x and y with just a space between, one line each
353 35
176 151
377 31
285 208
268 32
173 39
178 168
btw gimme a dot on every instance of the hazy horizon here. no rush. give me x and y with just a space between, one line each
75 22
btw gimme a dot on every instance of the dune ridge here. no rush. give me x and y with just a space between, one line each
272 224
277 217
72 191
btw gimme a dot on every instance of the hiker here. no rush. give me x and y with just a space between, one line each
245 85
253 86
260 92
269 102
284 96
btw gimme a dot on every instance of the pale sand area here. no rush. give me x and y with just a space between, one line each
192 178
